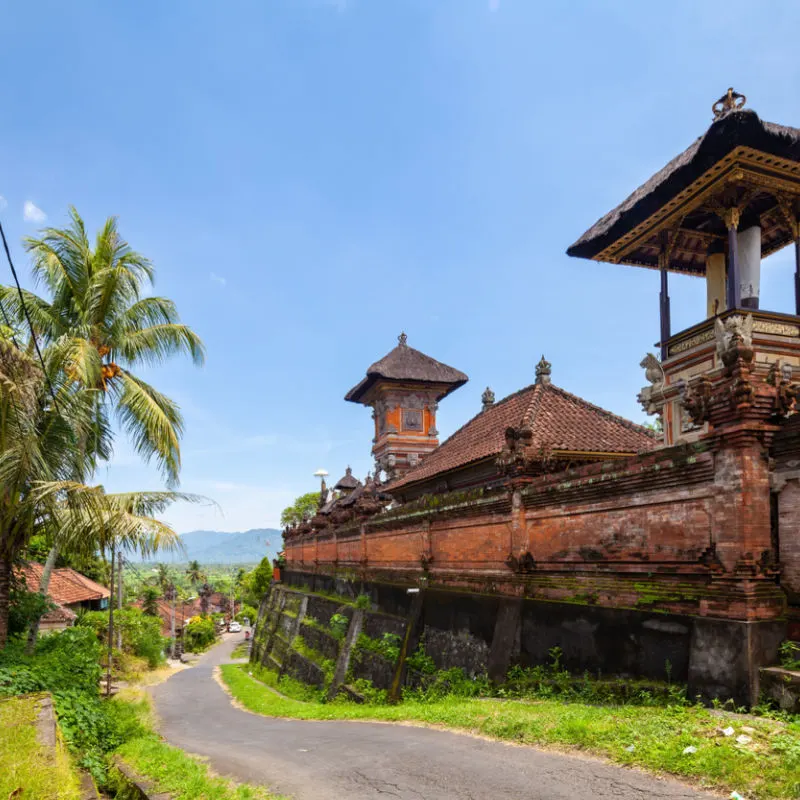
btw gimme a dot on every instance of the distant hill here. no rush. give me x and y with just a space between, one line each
217 547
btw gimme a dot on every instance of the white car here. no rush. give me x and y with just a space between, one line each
235 627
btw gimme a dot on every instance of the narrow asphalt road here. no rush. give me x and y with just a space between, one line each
364 761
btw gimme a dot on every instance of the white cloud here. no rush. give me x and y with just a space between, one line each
494 5
32 213
3 203
218 279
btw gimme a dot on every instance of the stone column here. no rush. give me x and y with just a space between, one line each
787 486
749 250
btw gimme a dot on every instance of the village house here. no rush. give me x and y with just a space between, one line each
70 591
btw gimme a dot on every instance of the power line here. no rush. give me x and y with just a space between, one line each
27 316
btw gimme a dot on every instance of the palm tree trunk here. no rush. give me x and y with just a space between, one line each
5 598
49 565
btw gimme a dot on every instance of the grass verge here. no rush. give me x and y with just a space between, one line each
171 769
26 765
651 737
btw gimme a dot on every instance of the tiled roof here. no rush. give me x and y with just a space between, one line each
59 614
404 363
559 420
348 481
66 585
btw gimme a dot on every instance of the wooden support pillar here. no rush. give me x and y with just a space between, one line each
663 298
734 288
797 274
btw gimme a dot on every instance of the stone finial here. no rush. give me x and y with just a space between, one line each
348 471
403 339
730 101
487 398
543 370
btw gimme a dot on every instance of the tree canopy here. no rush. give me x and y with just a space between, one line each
303 508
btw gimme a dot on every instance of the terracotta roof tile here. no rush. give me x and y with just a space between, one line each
559 420
66 585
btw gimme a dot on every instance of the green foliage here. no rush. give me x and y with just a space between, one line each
339 624
149 597
388 646
449 683
25 607
790 655
303 508
256 583
249 612
364 602
367 690
67 665
420 661
199 634
141 633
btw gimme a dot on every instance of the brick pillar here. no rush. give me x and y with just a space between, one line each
789 536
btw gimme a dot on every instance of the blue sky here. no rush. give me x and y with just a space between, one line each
311 177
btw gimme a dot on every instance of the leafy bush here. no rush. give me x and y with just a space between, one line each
66 664
199 634
339 624
363 601
450 683
420 661
247 611
388 646
141 633
25 607
790 655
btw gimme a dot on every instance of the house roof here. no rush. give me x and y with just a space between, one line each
404 363
67 586
559 421
736 128
59 614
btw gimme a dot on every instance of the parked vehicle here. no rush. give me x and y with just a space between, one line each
235 627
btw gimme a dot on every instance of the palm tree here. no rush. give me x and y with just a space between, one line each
194 573
163 577
97 326
149 597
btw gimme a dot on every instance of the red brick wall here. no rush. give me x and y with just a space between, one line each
680 531
789 533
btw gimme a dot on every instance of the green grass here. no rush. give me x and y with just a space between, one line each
768 767
40 773
169 768
241 650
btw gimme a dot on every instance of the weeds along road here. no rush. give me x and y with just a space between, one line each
341 760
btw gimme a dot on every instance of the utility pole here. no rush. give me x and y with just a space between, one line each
119 599
110 623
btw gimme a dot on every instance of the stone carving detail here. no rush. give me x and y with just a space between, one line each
514 455
650 395
734 338
696 399
487 398
525 564
543 371
786 394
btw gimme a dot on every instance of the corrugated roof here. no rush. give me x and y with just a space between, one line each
559 421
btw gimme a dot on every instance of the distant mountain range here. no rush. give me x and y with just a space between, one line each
217 547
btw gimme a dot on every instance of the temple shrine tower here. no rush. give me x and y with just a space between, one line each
715 211
404 389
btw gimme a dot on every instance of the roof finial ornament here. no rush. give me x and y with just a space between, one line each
487 398
543 370
402 338
730 101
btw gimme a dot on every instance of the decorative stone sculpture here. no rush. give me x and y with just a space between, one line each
487 398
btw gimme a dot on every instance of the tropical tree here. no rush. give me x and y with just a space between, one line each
100 325
163 577
205 592
194 573
97 327
303 508
149 598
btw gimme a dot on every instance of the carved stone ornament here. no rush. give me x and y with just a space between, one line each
696 399
515 453
653 371
524 564
734 339
487 398
544 370
652 397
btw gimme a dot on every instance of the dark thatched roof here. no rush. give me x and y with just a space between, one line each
734 129
404 363
347 481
